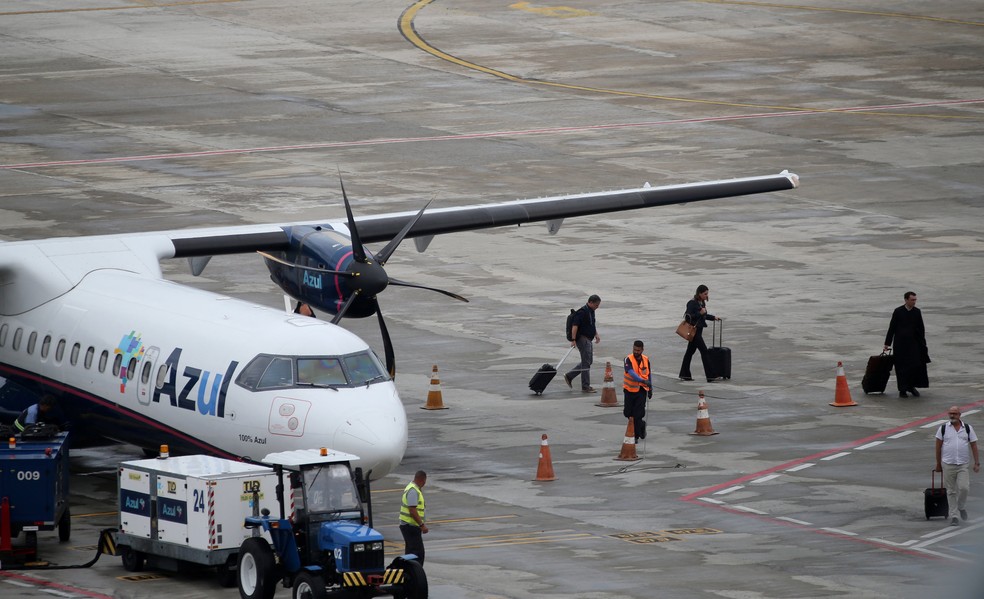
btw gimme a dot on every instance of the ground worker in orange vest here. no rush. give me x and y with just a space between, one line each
637 385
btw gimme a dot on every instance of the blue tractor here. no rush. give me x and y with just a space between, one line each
325 545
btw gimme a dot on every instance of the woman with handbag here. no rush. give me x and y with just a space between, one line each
697 316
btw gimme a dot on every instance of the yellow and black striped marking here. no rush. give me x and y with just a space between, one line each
393 576
353 579
662 536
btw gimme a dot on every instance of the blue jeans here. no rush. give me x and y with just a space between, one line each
584 347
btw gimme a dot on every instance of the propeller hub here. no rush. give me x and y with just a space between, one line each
370 278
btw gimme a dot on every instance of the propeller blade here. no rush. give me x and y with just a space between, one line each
447 293
343 273
383 255
358 252
387 343
345 308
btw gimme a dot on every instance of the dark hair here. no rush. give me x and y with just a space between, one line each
908 294
594 299
638 343
46 401
700 289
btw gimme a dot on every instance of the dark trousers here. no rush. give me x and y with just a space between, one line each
583 368
635 408
413 540
696 344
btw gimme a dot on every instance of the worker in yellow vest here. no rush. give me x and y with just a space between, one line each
412 523
637 386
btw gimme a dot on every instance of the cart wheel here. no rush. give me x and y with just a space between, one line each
228 572
65 526
133 560
257 570
309 586
414 581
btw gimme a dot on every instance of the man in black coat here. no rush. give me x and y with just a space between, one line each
907 338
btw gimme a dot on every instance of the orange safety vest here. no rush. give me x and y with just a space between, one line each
630 384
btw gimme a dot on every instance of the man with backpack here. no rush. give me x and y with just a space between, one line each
581 331
955 442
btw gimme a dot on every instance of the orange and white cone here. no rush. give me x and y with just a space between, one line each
628 453
842 394
544 469
434 399
704 428
608 397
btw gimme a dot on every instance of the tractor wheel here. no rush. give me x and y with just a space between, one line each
133 560
414 581
65 526
228 572
257 570
309 586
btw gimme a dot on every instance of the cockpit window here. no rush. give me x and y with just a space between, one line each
279 372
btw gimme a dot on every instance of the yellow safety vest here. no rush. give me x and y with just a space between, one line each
630 384
405 516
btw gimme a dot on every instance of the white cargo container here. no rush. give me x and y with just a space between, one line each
189 508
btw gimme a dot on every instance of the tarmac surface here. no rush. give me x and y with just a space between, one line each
119 116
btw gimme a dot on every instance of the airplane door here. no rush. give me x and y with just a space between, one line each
148 376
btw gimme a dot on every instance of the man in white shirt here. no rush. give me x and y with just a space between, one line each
955 442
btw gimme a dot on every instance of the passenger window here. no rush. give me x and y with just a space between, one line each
131 369
60 350
161 376
117 364
145 373
320 371
18 334
103 359
3 334
89 353
74 359
32 342
45 346
278 374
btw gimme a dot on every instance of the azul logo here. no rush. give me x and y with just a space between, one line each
212 387
130 348
313 281
134 504
169 509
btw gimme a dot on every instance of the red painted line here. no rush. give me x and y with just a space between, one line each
53 585
816 456
486 135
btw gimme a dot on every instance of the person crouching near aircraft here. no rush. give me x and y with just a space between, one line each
43 412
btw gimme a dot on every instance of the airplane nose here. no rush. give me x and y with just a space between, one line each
378 438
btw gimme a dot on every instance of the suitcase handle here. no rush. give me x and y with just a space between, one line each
932 485
565 357
714 332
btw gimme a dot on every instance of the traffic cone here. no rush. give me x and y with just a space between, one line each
628 453
842 395
544 469
434 399
704 428
608 397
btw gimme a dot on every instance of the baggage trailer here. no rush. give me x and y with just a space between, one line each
189 510
34 489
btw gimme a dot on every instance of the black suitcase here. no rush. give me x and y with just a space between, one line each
545 374
718 357
937 505
876 373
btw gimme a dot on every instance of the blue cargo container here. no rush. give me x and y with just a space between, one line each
34 482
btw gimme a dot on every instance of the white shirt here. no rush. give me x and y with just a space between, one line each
956 444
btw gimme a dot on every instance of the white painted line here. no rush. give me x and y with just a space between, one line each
902 434
943 555
835 456
18 583
58 593
955 531
907 543
793 520
932 424
869 445
766 478
801 467
748 509
730 489
711 500
840 532
892 543
969 412
935 533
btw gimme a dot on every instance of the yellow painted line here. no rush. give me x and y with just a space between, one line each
562 12
407 29
94 515
853 11
104 8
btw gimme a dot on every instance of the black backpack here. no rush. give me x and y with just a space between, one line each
570 324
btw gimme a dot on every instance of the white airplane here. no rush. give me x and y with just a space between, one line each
134 358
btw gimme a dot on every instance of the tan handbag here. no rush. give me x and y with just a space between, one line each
686 330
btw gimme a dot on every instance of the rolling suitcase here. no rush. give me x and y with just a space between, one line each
937 505
545 374
876 373
718 357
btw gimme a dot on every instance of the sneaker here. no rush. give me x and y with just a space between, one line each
963 514
914 392
588 390
686 378
568 381
954 522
